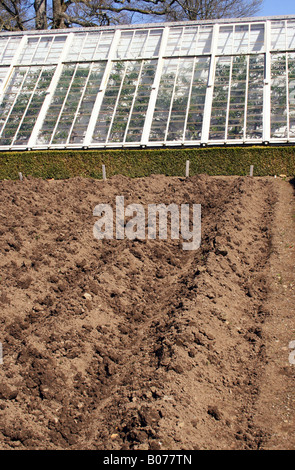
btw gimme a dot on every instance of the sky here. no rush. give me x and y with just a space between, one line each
277 8
269 8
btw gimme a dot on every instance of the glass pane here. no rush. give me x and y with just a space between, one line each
125 100
236 112
189 40
102 50
124 44
3 72
197 100
43 49
291 34
220 98
52 117
8 48
87 103
257 38
76 47
9 102
278 35
141 43
71 104
90 46
225 40
138 44
174 41
41 52
109 102
291 77
204 40
153 43
141 101
180 100
278 95
21 103
163 102
56 49
241 39
29 50
33 109
255 97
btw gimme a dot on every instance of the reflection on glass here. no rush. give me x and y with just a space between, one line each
291 80
81 121
283 95
141 43
179 107
22 102
90 46
220 98
141 101
52 117
278 35
237 98
241 39
3 72
165 94
72 103
237 78
256 38
255 97
180 100
122 113
8 48
279 95
46 49
189 40
225 40
290 34
35 104
197 99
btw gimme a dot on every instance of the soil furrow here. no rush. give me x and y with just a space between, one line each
134 344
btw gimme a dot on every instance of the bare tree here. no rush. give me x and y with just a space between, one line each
13 15
212 9
56 14
170 10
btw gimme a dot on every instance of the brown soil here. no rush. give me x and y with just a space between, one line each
169 349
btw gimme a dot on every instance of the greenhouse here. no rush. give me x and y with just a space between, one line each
171 84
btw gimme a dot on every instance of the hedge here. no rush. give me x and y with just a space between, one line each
63 164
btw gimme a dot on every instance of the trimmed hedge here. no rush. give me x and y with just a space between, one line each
63 164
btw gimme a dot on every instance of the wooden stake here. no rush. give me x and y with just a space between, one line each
104 172
251 170
20 176
187 169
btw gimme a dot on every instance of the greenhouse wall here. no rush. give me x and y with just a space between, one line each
173 84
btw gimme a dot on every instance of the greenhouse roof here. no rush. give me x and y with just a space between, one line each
189 83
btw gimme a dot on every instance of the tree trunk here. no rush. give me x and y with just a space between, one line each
58 10
41 14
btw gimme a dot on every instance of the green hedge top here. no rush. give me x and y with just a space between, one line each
63 164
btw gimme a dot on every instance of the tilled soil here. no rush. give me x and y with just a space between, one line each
139 344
